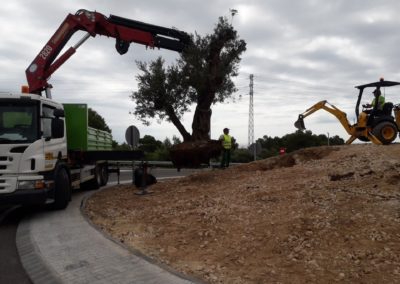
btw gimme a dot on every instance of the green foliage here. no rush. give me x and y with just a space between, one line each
160 91
241 155
95 120
149 144
295 141
156 150
121 147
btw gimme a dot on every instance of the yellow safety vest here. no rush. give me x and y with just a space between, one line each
227 141
381 102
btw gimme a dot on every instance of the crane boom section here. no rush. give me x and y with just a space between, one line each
125 31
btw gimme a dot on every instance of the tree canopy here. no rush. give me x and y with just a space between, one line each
95 120
202 75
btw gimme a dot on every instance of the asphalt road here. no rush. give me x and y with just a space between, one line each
11 270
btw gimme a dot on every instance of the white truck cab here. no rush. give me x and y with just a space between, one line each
29 147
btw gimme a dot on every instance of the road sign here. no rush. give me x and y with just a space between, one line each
132 136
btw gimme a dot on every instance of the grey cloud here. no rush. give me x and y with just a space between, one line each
299 51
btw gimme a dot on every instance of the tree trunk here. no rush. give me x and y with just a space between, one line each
175 120
202 116
201 124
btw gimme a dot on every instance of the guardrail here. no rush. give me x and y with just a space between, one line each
165 164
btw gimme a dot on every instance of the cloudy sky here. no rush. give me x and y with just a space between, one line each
300 52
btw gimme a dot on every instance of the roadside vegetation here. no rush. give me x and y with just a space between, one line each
156 150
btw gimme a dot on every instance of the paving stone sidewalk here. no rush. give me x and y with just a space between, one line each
63 247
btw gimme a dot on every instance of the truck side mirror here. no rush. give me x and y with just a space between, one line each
57 128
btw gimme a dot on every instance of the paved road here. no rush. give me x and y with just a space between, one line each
11 270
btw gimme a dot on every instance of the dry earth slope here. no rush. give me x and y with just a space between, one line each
318 215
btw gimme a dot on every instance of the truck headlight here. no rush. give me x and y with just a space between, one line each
31 184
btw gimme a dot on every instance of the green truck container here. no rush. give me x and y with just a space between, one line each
81 137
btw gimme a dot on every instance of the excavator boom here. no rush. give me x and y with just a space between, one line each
125 31
340 115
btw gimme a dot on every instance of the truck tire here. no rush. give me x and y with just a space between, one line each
62 189
103 174
95 182
385 131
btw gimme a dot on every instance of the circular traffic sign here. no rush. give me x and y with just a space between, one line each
132 136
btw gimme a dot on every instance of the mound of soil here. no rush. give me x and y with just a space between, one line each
319 215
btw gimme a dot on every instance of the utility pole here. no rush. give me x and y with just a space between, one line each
251 119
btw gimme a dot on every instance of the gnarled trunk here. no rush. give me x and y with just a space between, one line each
201 124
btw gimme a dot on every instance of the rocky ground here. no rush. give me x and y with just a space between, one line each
319 215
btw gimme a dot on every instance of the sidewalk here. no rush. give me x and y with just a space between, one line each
62 247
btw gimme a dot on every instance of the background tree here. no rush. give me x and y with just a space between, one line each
149 144
295 141
202 76
241 155
95 120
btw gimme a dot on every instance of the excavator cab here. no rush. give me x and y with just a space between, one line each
387 107
380 121
373 124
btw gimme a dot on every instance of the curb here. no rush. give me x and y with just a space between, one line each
35 266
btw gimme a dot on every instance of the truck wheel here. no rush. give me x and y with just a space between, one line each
62 189
385 131
103 174
95 182
97 177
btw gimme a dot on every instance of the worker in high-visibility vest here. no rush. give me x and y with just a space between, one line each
378 99
227 142
376 107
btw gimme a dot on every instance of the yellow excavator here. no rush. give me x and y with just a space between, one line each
374 123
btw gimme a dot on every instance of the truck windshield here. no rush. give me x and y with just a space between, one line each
18 122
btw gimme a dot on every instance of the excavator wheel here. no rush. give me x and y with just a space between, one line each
385 131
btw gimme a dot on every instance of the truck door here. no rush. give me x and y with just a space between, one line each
53 147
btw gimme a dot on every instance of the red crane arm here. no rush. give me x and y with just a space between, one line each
125 31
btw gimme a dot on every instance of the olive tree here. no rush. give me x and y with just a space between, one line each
201 76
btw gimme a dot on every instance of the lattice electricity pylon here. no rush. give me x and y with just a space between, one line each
251 113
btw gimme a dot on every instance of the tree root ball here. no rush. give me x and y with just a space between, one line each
194 153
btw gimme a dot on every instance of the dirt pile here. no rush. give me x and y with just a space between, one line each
320 215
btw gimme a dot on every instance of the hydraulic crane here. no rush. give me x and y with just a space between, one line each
125 31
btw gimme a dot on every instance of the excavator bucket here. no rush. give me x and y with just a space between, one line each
299 124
